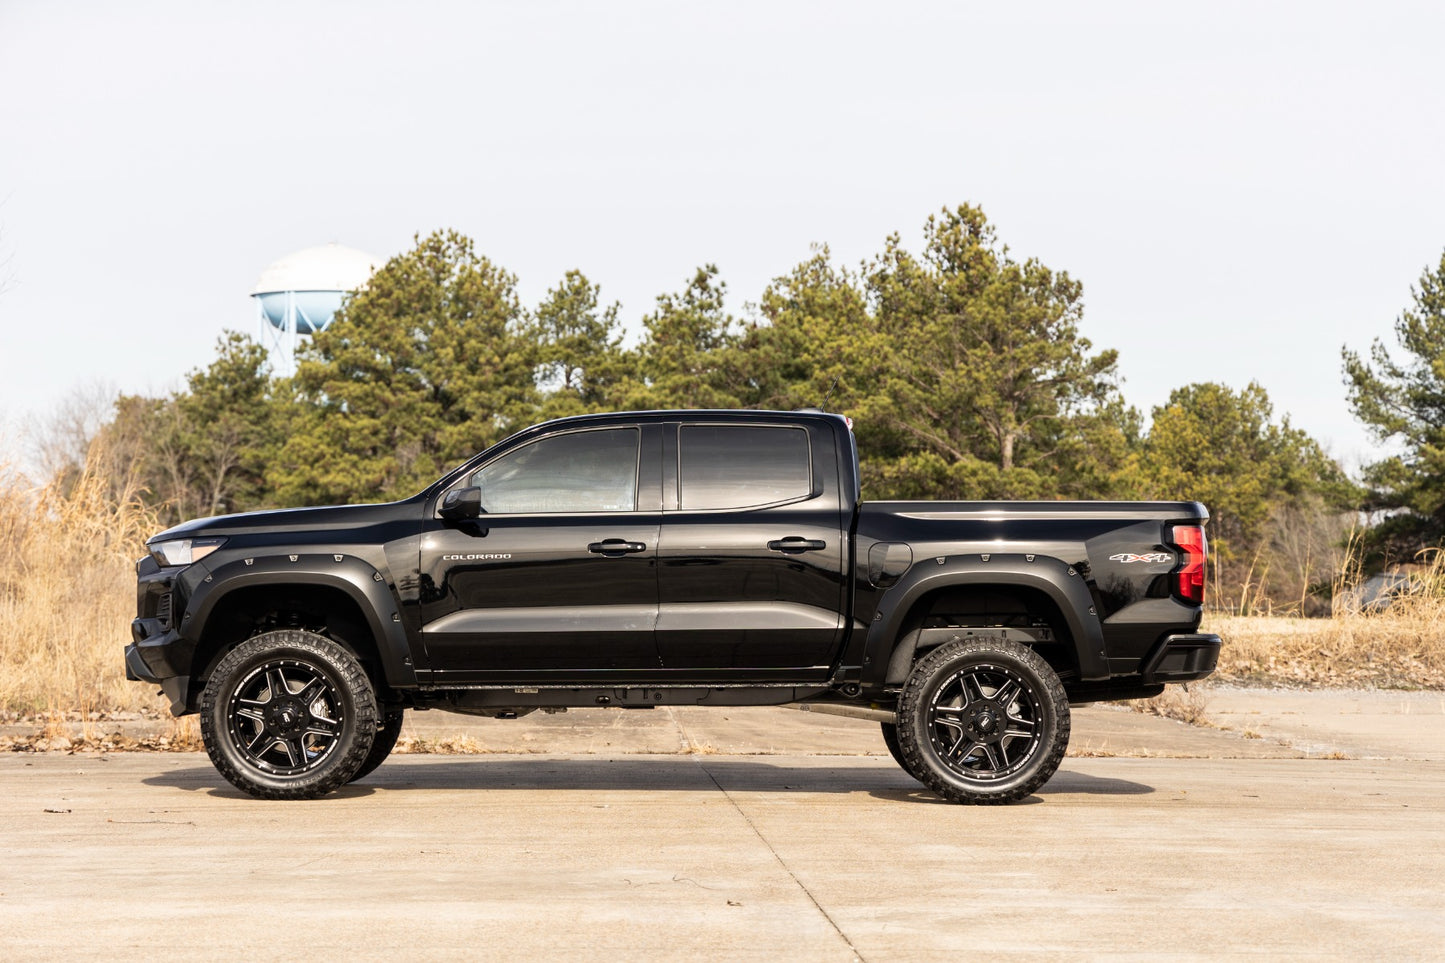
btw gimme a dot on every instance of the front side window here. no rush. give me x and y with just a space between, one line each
584 471
742 466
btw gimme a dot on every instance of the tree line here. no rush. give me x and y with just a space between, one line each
962 366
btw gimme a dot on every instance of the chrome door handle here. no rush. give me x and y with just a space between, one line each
615 547
793 545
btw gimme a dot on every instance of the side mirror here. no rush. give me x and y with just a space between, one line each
460 504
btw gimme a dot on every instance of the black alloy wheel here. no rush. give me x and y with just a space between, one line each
285 717
983 721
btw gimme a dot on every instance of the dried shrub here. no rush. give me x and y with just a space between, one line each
67 590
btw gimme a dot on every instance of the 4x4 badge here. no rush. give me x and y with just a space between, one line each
1128 557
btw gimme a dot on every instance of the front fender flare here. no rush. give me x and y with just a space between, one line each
358 579
1060 581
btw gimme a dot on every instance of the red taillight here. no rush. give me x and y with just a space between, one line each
1189 578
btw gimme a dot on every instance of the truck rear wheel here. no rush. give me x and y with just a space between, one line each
288 715
983 721
895 749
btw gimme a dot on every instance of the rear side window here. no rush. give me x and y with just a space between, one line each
585 471
742 466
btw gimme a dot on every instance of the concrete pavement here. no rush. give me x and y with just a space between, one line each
731 857
752 834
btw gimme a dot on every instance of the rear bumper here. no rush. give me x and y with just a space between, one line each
1182 658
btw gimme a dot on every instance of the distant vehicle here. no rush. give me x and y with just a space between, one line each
642 559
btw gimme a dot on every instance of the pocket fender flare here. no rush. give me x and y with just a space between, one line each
1058 580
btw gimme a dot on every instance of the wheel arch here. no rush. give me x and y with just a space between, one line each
354 603
893 646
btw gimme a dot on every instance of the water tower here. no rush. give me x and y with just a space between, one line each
300 293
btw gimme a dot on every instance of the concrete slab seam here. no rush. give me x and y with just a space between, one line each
781 862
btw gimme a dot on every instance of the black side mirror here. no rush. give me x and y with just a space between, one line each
460 504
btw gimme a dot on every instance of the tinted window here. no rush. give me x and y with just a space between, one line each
737 466
586 471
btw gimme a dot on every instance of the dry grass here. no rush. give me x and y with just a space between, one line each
1397 643
1185 704
1397 650
67 593
458 745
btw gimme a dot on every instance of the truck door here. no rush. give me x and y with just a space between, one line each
752 551
558 577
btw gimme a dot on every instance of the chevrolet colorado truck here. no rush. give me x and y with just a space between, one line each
644 559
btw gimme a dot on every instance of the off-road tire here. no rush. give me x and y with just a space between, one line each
388 730
895 749
297 744
983 721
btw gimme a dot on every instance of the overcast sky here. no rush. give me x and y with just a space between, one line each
1241 188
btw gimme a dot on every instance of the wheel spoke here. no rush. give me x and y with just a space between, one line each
276 681
322 726
977 692
961 681
258 745
1007 693
1010 737
1020 729
255 715
295 751
953 718
311 690
968 752
993 759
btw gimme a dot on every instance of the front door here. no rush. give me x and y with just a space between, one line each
557 579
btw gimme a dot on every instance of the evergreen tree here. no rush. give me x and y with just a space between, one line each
580 360
687 352
422 368
1402 402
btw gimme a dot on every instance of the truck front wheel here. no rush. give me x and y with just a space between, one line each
388 730
983 721
288 715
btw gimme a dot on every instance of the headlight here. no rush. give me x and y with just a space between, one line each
184 551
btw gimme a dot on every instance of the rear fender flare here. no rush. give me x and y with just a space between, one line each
1061 582
356 578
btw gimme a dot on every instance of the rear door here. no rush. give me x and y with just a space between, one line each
752 553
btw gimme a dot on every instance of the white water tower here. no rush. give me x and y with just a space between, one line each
300 294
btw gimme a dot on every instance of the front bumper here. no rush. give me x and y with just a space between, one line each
155 655
1182 658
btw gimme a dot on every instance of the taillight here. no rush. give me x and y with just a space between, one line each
1189 577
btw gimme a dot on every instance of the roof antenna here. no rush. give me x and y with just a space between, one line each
829 396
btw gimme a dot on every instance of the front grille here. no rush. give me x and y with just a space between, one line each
163 609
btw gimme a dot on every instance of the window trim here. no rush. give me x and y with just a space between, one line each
466 477
815 489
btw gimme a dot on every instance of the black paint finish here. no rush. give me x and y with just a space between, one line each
789 589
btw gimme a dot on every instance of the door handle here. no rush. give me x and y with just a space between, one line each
615 547
794 545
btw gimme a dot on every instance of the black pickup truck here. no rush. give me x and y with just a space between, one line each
644 559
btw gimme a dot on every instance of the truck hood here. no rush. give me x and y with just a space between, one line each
330 518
